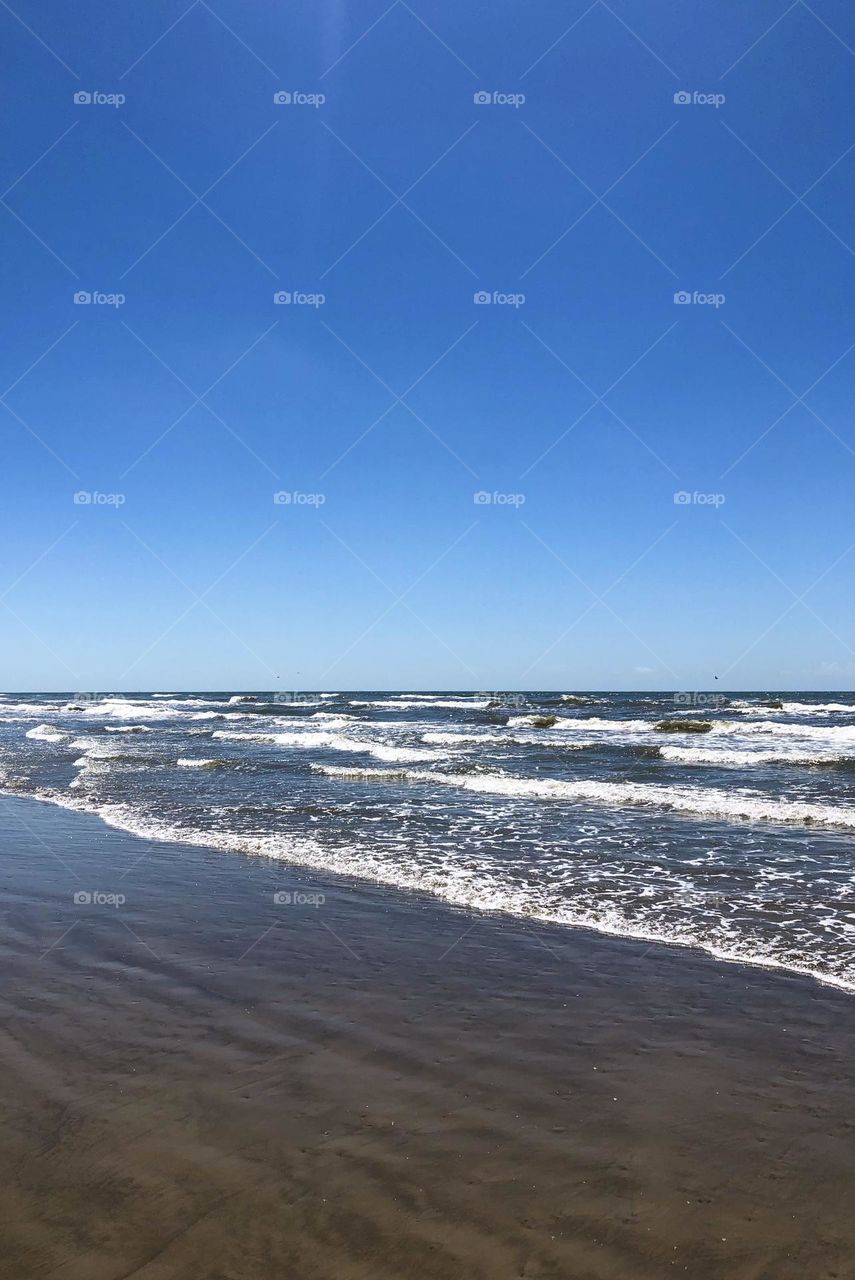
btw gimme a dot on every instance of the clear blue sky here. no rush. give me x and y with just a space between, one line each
597 198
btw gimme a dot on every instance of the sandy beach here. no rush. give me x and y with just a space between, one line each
203 1082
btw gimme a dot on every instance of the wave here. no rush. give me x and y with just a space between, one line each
461 739
332 742
819 708
46 733
20 710
743 759
842 733
536 739
707 803
435 697
424 704
483 890
795 708
123 709
202 764
832 733
585 723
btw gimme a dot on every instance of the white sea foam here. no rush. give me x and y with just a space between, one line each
785 754
605 866
19 710
332 742
124 709
595 724
46 733
763 707
424 704
483 888
703 803
832 734
506 738
819 708
462 739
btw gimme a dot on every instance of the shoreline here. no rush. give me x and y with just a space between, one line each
292 862
201 1083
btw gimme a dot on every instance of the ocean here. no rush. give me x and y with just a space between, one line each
729 830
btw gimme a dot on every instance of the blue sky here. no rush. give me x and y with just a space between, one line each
580 399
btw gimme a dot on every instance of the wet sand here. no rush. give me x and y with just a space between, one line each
202 1083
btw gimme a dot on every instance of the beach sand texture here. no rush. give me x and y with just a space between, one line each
201 1083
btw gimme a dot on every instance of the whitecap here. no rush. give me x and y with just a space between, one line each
45 733
702 803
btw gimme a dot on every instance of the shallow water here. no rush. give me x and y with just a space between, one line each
737 840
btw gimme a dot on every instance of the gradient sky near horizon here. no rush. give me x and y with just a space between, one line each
580 399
